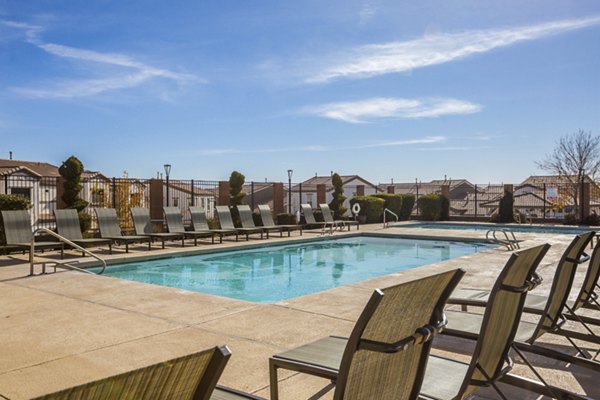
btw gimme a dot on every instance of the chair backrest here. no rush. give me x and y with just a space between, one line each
501 318
225 217
308 214
590 281
265 215
199 222
173 218
108 222
189 377
141 220
326 211
67 223
561 285
17 226
246 216
386 354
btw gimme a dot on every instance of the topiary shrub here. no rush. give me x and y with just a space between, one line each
236 195
371 208
392 202
408 203
592 219
445 209
430 206
257 219
570 219
11 202
337 204
505 208
286 219
71 170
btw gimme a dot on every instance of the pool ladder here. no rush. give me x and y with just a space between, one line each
57 264
386 223
509 239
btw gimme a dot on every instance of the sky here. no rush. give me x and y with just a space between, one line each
400 90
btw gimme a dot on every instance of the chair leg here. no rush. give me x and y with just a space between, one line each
274 389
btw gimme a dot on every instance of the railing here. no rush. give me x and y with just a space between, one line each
509 240
386 211
57 264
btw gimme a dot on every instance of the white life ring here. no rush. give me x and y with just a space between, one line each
355 208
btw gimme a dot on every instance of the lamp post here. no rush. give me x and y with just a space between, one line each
167 172
290 172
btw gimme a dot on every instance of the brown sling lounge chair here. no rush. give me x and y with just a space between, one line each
143 227
191 377
267 220
175 225
328 217
67 225
309 217
108 223
18 232
386 355
200 224
248 221
467 325
226 222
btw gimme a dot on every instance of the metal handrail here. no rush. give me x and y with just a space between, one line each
385 223
510 243
70 243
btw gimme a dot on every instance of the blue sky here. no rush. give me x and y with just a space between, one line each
384 89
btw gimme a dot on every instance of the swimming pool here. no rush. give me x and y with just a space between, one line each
565 230
274 273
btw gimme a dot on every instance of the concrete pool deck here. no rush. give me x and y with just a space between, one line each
63 329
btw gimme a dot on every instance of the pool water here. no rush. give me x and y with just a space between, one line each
564 230
275 273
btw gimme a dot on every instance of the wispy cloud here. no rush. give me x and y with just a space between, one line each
453 148
377 59
384 107
312 149
123 72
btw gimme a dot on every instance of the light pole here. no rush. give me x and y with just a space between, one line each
167 172
290 172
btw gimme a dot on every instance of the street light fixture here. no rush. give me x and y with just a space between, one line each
290 172
167 172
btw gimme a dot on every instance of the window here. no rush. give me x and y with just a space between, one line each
25 192
175 201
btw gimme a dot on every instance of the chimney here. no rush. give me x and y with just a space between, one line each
10 155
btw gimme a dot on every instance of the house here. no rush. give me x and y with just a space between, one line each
458 188
306 192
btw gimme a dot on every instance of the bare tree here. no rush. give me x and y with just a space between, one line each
575 156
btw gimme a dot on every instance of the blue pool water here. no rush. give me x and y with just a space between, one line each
565 230
274 273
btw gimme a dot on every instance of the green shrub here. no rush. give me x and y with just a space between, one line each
408 203
430 206
571 219
236 195
11 202
505 208
592 219
393 202
71 170
257 219
445 209
286 219
370 207
213 223
337 203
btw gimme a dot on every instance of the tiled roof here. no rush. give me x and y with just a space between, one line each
41 168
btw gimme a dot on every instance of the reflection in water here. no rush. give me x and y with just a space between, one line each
280 272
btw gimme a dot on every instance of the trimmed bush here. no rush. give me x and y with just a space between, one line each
71 170
236 195
257 219
337 203
286 219
505 208
370 207
431 207
592 219
408 203
11 202
445 211
392 202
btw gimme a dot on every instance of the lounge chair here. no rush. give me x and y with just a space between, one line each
143 227
227 222
549 304
309 217
67 226
108 223
386 353
18 232
267 220
200 224
175 225
468 325
248 221
328 217
189 377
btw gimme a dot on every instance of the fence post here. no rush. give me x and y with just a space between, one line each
585 200
476 200
156 199
193 202
60 190
278 198
544 203
223 199
5 184
417 198
252 195
360 190
300 195
321 194
114 192
390 189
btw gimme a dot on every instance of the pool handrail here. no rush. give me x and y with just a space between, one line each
387 210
